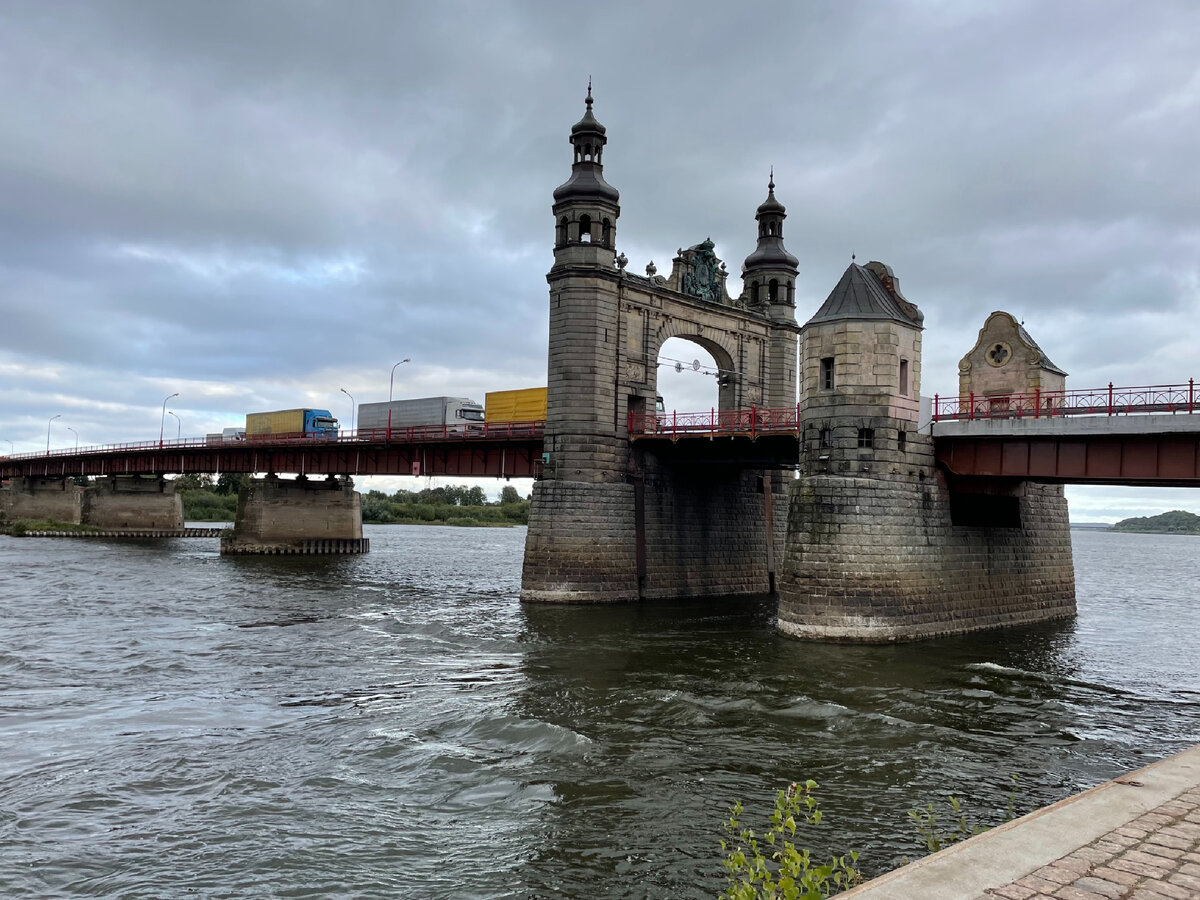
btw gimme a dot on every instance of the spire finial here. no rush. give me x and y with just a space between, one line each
588 101
851 257
771 181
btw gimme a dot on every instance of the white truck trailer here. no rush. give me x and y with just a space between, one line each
457 415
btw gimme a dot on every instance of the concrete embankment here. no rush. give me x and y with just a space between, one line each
1135 836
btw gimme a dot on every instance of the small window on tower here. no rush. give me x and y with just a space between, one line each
866 438
826 438
827 374
904 378
585 229
773 291
902 441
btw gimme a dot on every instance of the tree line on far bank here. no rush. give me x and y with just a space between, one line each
209 500
1177 521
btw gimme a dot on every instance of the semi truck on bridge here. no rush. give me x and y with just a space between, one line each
317 423
459 415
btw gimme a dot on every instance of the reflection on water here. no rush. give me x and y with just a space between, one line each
398 725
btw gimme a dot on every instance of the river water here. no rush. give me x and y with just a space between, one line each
175 724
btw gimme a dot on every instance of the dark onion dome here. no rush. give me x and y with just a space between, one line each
586 182
587 178
770 205
770 252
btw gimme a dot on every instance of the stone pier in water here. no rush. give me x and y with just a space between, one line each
296 516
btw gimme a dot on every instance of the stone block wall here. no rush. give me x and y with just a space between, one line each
278 513
706 531
581 546
879 558
133 503
42 499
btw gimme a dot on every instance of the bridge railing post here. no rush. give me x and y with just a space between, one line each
1037 402
1110 398
1191 395
712 420
935 409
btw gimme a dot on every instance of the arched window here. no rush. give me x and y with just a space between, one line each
606 233
561 235
771 228
773 291
585 229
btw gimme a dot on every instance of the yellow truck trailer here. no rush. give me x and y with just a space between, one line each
524 405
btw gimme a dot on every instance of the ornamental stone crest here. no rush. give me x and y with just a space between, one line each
703 274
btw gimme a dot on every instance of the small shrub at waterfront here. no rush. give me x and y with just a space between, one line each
942 825
782 872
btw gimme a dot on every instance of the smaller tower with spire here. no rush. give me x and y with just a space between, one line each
769 273
769 285
586 207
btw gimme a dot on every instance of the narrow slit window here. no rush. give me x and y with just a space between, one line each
827 374
904 377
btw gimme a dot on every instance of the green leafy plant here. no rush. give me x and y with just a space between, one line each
951 825
782 872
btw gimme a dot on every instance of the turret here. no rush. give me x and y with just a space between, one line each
769 273
586 206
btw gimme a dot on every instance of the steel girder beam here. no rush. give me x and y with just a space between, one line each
1163 460
513 458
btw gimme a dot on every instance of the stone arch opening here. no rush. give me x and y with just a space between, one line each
694 374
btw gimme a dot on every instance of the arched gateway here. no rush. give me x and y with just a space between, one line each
612 522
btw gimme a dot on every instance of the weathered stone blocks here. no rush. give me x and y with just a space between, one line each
296 516
880 559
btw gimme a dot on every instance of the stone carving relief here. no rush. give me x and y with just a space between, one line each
703 274
635 371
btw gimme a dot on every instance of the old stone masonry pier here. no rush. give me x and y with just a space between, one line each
847 518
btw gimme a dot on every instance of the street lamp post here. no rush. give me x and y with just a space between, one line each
52 418
393 376
76 433
162 420
178 424
352 419
11 449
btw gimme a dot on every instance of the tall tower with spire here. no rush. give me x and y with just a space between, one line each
586 206
769 284
580 544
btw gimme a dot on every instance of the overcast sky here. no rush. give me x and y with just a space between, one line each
256 204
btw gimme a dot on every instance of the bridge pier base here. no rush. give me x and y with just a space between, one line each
581 546
672 531
132 502
42 499
277 516
887 559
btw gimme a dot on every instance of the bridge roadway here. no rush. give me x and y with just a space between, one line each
1128 436
512 450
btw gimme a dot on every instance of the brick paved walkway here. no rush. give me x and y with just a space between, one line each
1136 837
1155 856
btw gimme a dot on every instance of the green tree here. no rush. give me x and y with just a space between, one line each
228 483
509 494
194 483
475 496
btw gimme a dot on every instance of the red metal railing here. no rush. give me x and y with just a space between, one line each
412 435
753 421
1105 401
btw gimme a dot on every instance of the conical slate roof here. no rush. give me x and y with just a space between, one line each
860 295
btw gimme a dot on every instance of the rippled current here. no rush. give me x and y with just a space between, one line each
175 724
